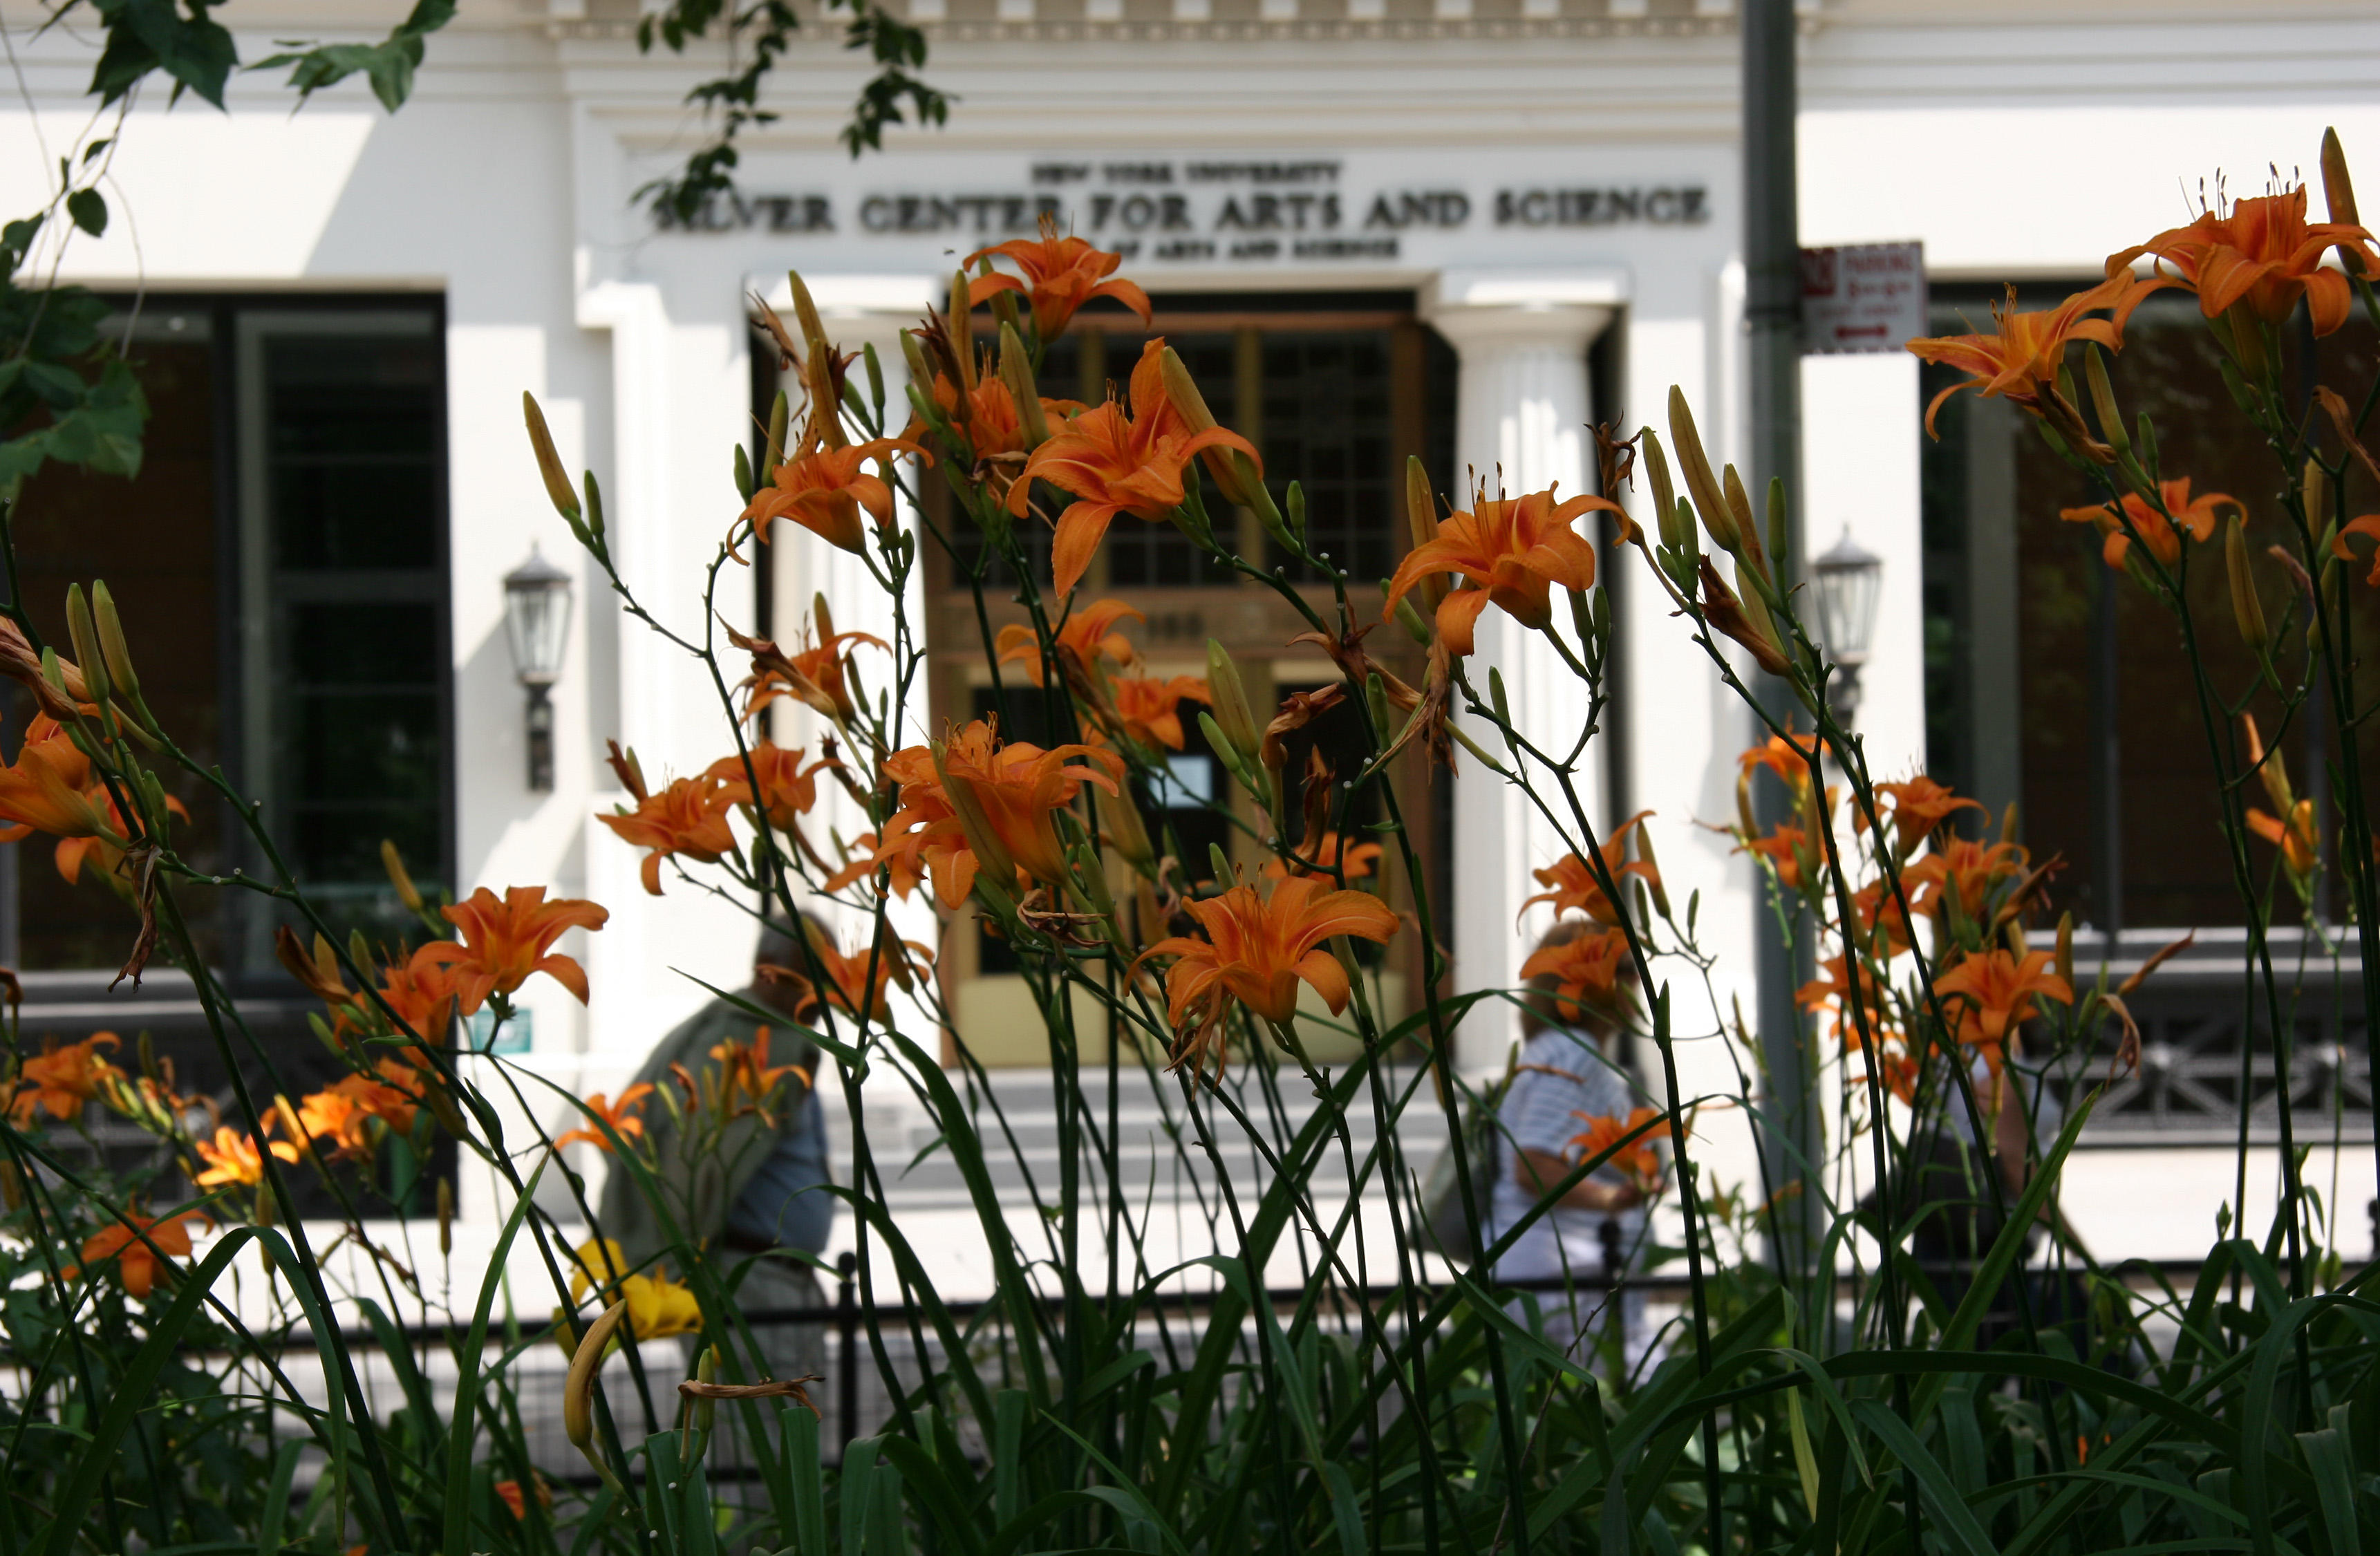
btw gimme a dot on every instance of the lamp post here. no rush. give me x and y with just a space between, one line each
537 623
1849 577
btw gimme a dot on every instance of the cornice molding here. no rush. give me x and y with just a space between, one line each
1246 30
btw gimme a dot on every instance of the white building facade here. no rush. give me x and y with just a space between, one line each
1529 208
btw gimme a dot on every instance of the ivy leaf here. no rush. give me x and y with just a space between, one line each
149 35
89 211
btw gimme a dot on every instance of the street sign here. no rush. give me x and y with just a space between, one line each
1862 297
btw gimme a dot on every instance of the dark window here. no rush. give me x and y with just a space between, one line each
1328 424
2056 681
279 563
346 717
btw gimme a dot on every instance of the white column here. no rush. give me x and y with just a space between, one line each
1523 406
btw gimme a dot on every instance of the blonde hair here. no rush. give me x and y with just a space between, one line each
1541 1007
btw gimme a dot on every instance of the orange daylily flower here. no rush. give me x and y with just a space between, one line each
63 1079
815 674
2021 362
1831 991
992 423
232 1157
72 852
621 1115
1788 758
1574 885
687 818
1113 462
341 1112
1020 788
504 942
18 663
1997 991
2300 844
137 1264
1639 1161
44 790
2199 518
787 789
1514 550
1087 634
424 993
1971 868
1256 950
1786 848
824 488
2367 524
920 840
1149 709
509 1493
847 985
1919 804
1878 910
1586 972
745 1071
2264 255
1318 855
1060 275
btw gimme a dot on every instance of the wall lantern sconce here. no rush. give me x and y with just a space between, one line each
537 625
1850 578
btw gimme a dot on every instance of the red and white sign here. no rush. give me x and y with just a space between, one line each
1862 297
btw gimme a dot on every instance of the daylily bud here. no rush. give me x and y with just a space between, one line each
1747 530
594 512
548 463
915 355
1678 530
1421 517
1016 372
963 333
2103 401
2065 958
706 1370
781 414
2008 823
1735 618
86 645
1657 470
2246 609
743 483
112 648
578 1387
1126 831
1231 703
1219 862
2314 491
806 313
1644 852
2273 773
875 375
2339 193
1701 485
445 1216
1744 819
398 878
